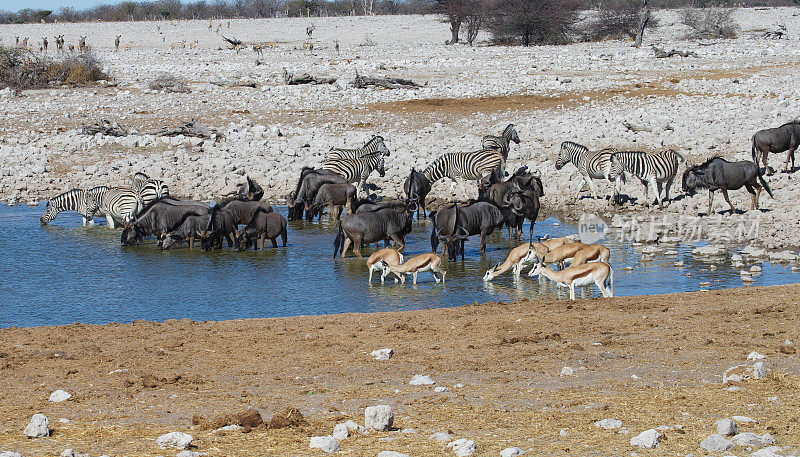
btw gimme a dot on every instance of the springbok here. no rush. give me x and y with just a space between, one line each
517 258
553 243
116 43
559 255
598 273
390 256
591 253
424 262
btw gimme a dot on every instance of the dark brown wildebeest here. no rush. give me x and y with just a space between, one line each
779 139
719 174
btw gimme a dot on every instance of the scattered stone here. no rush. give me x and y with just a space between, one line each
787 349
190 454
734 389
421 380
567 371
10 454
771 451
378 417
463 447
177 440
716 443
750 439
442 437
511 452
608 424
229 428
39 427
755 269
342 431
326 444
391 454
726 427
64 420
741 373
744 420
709 251
648 439
59 396
563 432
71 453
755 356
408 430
736 258
382 354
441 389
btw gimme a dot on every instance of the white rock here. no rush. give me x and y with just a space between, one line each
382 354
441 389
326 444
378 417
608 424
648 439
755 268
755 356
341 432
726 427
716 443
442 437
59 396
511 452
391 454
190 454
10 454
39 427
740 373
745 420
567 371
230 428
752 440
463 447
421 380
177 440
771 451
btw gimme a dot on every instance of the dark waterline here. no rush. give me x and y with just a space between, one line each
64 273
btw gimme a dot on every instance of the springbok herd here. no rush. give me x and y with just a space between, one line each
145 208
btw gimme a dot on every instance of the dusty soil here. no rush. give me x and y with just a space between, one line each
133 382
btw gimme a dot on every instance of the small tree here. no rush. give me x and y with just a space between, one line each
456 11
710 22
475 18
534 21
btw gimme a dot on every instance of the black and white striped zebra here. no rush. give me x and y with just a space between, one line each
591 164
467 165
121 205
653 170
356 170
374 146
72 200
501 143
149 189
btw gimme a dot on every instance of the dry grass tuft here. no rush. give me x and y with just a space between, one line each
170 83
21 69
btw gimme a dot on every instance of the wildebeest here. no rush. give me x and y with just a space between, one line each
364 205
222 224
158 218
250 190
520 194
263 225
454 224
717 173
779 139
417 187
244 210
307 186
192 227
360 229
335 197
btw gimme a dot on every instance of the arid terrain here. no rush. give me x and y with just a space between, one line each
650 362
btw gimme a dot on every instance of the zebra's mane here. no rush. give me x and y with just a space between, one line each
507 131
305 171
572 144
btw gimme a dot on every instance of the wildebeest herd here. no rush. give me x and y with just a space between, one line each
146 210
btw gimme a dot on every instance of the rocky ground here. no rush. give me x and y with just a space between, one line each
534 375
585 92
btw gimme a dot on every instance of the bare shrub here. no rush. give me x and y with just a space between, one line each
618 19
710 22
170 83
530 22
21 69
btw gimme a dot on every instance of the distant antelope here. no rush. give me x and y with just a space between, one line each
60 43
193 44
229 24
310 30
598 273
44 44
388 255
116 43
336 46
17 38
210 25
72 48
516 260
82 44
128 47
425 262
25 42
258 49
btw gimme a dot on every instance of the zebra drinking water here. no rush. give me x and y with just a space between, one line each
72 200
501 143
468 165
121 205
374 146
590 164
652 170
356 170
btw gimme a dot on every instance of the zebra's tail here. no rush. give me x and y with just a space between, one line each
337 243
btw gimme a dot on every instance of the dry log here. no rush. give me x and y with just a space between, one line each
634 128
105 127
291 80
192 128
661 54
362 82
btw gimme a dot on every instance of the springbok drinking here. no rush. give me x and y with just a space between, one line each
517 258
564 253
425 262
591 253
388 255
598 273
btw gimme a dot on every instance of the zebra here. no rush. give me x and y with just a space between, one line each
356 170
149 190
373 146
652 170
503 142
121 205
468 165
72 200
591 164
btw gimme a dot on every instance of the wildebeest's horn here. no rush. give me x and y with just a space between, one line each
507 199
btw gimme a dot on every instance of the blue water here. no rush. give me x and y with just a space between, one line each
65 273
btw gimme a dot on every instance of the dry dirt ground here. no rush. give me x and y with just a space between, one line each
649 361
